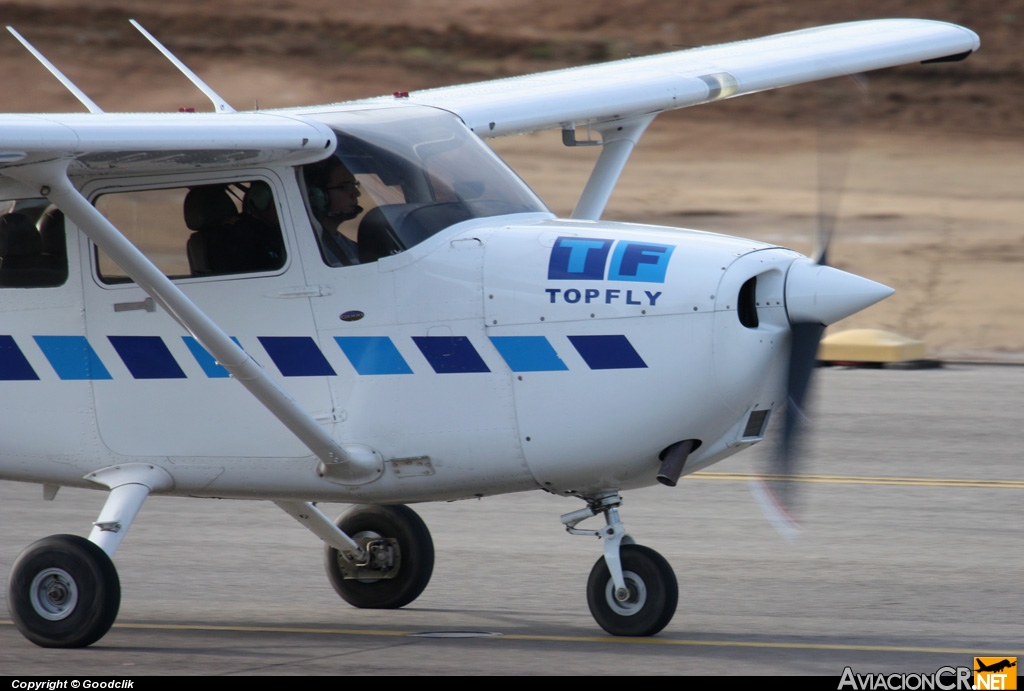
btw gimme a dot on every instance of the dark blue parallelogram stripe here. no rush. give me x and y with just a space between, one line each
607 352
297 356
147 357
450 354
14 365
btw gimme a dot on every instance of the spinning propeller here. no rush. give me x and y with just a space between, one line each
816 295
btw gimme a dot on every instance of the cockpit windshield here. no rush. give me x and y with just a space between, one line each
399 176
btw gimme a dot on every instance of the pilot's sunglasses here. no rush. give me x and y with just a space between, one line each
354 185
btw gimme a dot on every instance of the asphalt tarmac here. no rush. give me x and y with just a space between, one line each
910 560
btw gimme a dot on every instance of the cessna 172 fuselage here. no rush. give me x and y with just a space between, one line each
189 308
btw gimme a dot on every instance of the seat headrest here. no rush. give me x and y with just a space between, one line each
208 206
257 198
18 236
51 230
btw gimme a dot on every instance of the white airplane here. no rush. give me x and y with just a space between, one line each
403 319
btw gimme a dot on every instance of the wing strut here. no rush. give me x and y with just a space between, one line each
68 84
350 464
617 141
219 104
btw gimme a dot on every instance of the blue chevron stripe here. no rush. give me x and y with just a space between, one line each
209 364
372 355
148 357
528 353
72 358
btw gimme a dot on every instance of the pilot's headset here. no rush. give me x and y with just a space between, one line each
316 181
258 198
318 200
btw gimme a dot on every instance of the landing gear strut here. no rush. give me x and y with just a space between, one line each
64 591
632 590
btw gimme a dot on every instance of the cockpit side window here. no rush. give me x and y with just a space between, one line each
204 230
33 247
399 177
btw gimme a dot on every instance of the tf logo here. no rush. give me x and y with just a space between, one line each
995 673
585 259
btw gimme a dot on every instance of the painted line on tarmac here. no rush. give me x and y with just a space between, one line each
862 480
695 643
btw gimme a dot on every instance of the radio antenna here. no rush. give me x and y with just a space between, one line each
219 104
68 84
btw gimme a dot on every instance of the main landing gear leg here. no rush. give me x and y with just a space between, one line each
64 591
632 590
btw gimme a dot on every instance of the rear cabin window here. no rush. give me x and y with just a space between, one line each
205 230
33 247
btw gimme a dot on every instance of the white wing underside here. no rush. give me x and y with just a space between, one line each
642 86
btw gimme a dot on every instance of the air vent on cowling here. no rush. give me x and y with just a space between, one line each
746 306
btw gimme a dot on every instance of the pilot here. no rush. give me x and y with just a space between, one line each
335 201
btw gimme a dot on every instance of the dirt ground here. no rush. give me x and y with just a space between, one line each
932 204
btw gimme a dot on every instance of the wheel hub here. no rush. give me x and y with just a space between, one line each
383 558
54 594
635 595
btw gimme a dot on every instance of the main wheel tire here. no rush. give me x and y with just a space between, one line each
653 593
416 551
63 592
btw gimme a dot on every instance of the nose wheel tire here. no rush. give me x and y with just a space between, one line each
415 556
63 592
652 593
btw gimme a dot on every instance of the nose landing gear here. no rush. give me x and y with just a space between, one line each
632 590
650 598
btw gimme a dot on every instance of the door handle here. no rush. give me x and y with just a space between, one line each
147 305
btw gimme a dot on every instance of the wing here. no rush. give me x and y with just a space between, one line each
95 144
100 141
643 86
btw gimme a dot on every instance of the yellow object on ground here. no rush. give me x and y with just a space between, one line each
870 345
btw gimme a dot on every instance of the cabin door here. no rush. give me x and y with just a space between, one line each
224 243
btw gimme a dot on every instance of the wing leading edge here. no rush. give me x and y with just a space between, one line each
643 86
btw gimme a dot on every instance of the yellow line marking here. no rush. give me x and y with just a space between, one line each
571 639
862 480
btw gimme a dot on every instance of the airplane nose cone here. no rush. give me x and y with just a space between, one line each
819 294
